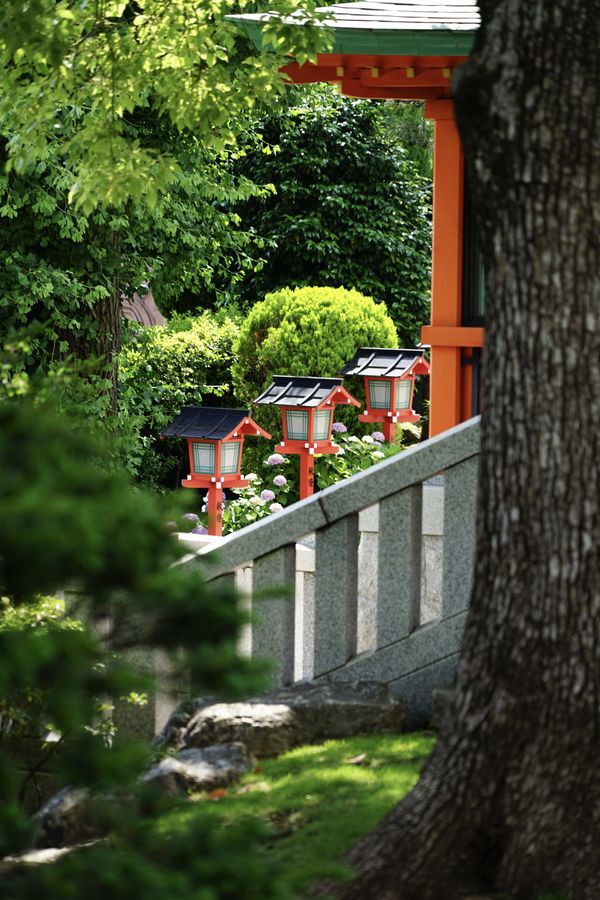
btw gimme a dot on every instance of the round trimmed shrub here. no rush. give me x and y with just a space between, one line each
306 331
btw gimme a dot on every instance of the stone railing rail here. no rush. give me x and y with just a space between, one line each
317 635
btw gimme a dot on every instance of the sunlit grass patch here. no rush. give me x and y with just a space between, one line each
315 802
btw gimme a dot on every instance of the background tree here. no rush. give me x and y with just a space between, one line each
510 798
92 96
68 270
351 205
108 60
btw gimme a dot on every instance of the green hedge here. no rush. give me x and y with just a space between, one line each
162 369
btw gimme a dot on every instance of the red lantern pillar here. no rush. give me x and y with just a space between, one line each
215 509
307 474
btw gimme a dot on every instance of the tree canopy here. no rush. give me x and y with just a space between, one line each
104 61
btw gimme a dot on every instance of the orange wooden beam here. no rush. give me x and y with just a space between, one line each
451 336
365 75
351 87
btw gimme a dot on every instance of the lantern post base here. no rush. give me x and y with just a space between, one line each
215 510
389 431
307 475
215 497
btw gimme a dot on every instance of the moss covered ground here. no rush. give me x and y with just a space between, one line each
315 802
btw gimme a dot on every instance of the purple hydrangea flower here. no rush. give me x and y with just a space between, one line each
339 427
191 517
199 529
275 507
267 495
279 480
275 459
378 436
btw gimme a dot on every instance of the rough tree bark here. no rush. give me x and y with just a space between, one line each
510 799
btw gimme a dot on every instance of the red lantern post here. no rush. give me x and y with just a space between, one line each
215 440
307 416
389 377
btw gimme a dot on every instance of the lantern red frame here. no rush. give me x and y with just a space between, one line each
378 364
322 394
216 481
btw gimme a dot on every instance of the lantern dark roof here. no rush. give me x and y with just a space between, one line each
301 390
207 422
383 363
414 27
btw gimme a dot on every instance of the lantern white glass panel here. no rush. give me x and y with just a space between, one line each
230 455
204 458
322 425
403 394
379 394
296 423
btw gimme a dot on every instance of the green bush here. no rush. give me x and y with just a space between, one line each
164 368
306 331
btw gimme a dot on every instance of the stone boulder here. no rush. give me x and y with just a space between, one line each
305 713
65 819
200 770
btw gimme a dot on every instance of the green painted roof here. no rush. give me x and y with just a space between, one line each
388 27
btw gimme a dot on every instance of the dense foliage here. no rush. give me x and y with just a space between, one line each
65 521
68 270
306 331
162 369
351 207
114 158
109 60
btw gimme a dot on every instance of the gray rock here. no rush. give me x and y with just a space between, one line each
65 819
200 770
307 712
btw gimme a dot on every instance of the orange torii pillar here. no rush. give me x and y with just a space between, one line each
446 272
450 380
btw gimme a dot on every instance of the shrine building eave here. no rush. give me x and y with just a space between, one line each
410 28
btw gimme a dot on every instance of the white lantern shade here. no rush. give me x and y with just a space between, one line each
379 394
204 458
230 457
403 392
296 424
322 425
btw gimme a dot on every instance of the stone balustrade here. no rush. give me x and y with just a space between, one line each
375 571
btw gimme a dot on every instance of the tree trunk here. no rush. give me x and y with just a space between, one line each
510 798
108 313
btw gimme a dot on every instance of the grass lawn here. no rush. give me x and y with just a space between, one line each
317 801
